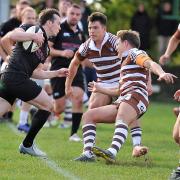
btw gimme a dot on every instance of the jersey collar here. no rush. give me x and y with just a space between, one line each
92 45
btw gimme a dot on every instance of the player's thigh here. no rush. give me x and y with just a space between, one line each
98 100
104 114
42 101
4 106
176 130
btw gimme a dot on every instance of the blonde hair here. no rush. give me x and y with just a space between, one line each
131 36
27 9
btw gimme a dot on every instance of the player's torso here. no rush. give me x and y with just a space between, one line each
67 39
132 76
106 63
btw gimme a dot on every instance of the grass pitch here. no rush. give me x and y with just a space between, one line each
157 126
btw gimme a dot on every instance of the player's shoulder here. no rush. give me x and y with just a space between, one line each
111 36
134 52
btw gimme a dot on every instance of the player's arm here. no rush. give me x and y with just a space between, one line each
7 43
19 35
39 73
95 87
172 45
73 67
3 54
145 61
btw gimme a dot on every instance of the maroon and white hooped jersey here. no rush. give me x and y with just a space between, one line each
105 60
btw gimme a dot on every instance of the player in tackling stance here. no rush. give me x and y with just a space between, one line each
23 65
133 97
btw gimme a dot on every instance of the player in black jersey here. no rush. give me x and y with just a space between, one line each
16 81
6 27
63 47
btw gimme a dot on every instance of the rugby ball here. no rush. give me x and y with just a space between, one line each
31 46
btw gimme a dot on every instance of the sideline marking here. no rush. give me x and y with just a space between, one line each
55 167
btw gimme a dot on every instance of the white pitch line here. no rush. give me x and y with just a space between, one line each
53 165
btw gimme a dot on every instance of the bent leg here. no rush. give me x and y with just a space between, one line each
104 114
44 102
125 116
176 130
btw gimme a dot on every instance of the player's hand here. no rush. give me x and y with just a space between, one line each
168 77
93 87
149 88
38 38
164 59
177 95
63 72
69 92
68 53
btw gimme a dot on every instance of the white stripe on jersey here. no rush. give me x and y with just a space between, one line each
140 92
134 75
130 67
130 82
94 60
109 74
108 66
111 80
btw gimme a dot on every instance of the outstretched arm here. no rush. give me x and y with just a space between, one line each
39 73
73 67
94 87
156 69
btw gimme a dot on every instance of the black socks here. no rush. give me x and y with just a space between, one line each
38 121
76 120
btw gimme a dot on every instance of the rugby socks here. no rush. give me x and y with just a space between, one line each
136 134
76 120
23 117
68 111
89 134
120 135
38 121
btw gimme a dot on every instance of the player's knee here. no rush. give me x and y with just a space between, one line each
88 117
176 111
176 137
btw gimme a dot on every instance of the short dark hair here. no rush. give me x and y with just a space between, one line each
47 14
97 16
131 36
74 5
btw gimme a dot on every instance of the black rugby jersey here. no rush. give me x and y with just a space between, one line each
24 62
66 39
9 25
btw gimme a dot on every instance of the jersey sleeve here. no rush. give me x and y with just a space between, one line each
81 53
139 57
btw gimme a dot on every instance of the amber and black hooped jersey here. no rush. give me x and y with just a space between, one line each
105 60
